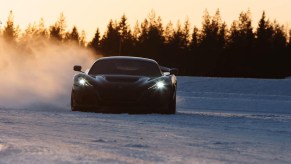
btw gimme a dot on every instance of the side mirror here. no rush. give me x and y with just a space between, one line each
174 71
78 68
164 69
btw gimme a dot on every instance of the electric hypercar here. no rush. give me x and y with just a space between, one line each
122 84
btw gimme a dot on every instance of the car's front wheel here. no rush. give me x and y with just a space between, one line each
73 105
172 104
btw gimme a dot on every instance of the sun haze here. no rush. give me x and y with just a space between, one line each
87 15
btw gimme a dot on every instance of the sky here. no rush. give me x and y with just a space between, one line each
87 15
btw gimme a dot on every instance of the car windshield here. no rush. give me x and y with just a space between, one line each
125 67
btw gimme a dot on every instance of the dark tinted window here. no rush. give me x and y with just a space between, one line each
125 67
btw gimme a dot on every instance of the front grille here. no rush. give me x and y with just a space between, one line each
119 94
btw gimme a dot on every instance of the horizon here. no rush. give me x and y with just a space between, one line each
89 11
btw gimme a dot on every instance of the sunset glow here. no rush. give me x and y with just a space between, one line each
89 14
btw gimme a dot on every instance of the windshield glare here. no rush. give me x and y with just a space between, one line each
125 67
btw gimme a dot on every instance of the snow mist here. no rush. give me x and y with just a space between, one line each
39 73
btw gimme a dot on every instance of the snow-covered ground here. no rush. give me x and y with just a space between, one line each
218 121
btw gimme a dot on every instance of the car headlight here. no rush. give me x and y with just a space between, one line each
82 82
158 85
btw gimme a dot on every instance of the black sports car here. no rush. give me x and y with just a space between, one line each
125 84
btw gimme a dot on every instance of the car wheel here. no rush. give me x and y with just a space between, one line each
73 107
172 104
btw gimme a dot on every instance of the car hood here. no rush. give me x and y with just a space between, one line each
127 80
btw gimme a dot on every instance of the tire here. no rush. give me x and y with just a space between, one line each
73 108
76 107
172 104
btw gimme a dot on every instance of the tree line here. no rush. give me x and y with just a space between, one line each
215 49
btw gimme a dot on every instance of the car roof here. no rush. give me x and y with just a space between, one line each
127 58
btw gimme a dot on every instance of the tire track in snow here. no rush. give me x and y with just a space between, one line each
274 117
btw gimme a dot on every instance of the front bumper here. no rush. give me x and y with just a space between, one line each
117 101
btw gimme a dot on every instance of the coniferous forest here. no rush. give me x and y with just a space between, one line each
242 49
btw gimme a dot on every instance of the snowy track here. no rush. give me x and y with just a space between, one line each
218 121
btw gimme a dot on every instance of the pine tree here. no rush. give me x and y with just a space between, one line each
42 31
186 34
246 29
73 36
57 31
33 35
168 32
241 33
279 36
206 29
136 33
10 32
125 37
82 39
123 27
264 33
151 38
213 32
109 44
95 43
195 40
30 31
177 40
